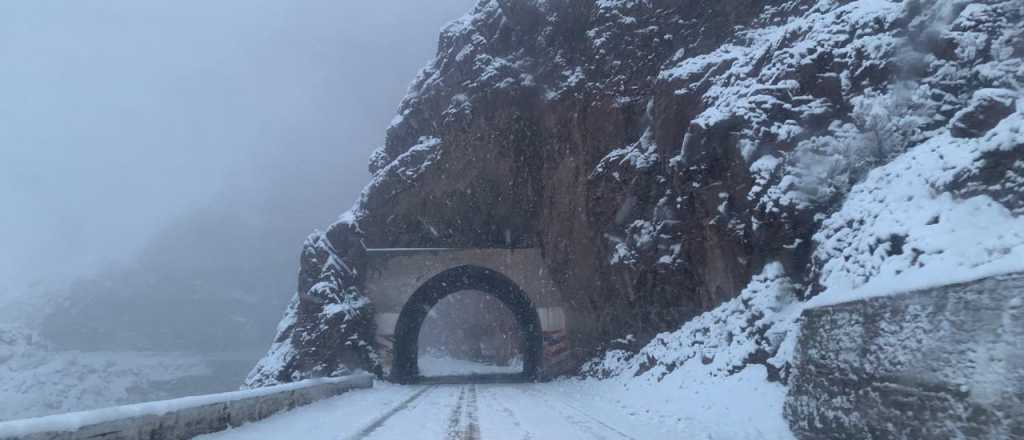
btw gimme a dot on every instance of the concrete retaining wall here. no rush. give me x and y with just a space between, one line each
939 363
180 419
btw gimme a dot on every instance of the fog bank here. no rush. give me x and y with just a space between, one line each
121 117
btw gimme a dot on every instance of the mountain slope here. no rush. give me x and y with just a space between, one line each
674 156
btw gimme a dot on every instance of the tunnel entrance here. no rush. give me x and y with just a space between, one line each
470 333
405 367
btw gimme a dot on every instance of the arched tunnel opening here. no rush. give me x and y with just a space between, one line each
406 366
470 333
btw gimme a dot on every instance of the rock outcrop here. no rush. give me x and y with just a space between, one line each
328 328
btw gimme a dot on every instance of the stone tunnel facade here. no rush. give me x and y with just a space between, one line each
397 282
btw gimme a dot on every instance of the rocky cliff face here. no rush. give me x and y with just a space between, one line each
663 152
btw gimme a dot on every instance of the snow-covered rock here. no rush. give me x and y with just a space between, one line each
327 330
987 108
905 227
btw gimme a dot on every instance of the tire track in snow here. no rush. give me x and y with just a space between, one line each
472 431
455 418
377 423
463 423
539 417
575 415
501 407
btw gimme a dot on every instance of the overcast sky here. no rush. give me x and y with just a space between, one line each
118 115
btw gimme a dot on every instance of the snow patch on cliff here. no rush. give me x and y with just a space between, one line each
903 228
281 351
748 329
338 316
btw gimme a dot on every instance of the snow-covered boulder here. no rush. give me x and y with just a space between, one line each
987 108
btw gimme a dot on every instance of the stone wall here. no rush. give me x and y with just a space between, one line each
180 419
945 362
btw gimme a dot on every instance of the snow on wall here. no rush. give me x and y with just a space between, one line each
182 418
943 362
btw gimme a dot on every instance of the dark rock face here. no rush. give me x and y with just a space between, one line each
998 174
521 108
662 152
938 363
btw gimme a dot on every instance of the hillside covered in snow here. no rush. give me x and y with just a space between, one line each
37 378
697 173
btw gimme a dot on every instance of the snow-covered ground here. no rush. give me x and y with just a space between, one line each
37 380
685 403
58 382
741 406
182 410
437 364
564 410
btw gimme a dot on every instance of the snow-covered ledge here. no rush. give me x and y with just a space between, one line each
183 418
943 362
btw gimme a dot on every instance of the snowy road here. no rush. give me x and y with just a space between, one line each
475 411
